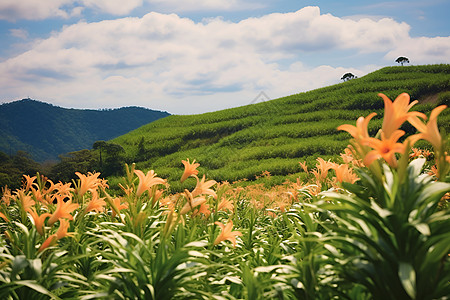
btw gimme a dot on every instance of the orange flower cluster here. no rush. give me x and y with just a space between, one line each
387 145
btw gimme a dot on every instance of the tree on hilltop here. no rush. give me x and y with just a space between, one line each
401 60
348 76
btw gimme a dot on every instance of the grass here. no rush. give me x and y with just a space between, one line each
243 142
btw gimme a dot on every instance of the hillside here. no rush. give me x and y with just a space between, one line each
275 135
45 131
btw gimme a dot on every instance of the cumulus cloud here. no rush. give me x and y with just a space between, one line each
114 7
202 5
167 62
422 50
19 33
12 10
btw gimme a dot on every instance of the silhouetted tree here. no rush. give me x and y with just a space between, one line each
82 161
141 151
348 76
100 145
401 60
115 159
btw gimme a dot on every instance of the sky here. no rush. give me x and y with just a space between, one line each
196 56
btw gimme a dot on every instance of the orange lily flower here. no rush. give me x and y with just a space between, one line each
225 204
51 188
63 189
396 113
168 202
226 233
344 174
25 199
87 183
63 210
323 167
4 217
203 187
147 181
189 169
191 202
29 182
62 230
96 204
119 206
304 166
202 209
385 148
60 233
359 131
6 195
430 131
127 189
39 220
51 240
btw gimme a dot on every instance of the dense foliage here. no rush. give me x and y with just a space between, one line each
242 142
46 131
373 227
12 168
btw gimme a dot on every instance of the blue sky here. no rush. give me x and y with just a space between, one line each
195 56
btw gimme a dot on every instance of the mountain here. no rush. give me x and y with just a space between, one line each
45 131
275 135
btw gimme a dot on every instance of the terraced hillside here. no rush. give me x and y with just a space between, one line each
275 135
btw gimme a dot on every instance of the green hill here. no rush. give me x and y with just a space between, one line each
45 131
275 135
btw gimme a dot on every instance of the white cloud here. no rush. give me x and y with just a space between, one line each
19 33
203 5
12 10
114 7
422 50
166 62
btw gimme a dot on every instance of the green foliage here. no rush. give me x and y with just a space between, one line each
83 161
13 167
391 237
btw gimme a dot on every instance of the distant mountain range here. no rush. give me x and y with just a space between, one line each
46 131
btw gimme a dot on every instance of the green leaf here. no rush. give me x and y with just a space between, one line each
423 228
416 166
19 263
37 287
196 244
408 278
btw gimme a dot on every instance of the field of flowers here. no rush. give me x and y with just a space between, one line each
374 225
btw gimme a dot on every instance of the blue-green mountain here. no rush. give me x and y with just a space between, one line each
46 131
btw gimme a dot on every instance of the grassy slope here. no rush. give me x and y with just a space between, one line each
275 135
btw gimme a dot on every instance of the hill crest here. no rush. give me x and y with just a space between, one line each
241 143
46 131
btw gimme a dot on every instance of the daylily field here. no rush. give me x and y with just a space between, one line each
374 224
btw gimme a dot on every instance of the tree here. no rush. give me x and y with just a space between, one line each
141 152
12 168
401 60
111 158
114 161
348 76
82 161
100 145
